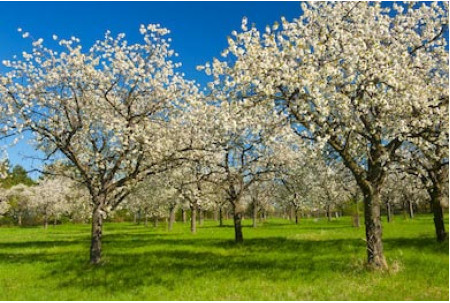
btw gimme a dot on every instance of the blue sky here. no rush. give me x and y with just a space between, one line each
199 30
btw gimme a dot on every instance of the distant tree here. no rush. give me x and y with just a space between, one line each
17 175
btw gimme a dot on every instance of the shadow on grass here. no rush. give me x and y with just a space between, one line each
137 259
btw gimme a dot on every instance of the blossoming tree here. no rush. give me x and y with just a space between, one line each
108 111
353 75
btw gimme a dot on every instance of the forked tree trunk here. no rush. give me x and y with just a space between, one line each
193 218
96 235
237 217
436 196
171 218
372 201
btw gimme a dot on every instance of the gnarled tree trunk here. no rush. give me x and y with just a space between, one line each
96 235
372 213
436 196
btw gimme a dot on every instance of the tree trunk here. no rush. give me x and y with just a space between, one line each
96 235
183 215
145 219
155 221
356 220
220 217
254 213
237 217
411 210
296 217
193 218
388 211
436 196
45 220
216 215
171 218
139 217
135 218
19 219
375 256
328 213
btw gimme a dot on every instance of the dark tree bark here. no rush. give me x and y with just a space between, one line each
220 216
96 235
436 196
328 213
375 256
237 217
193 218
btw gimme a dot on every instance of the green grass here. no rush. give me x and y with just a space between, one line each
278 261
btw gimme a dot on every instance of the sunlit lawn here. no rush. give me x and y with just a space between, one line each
278 261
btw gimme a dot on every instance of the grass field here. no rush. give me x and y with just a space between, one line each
278 261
